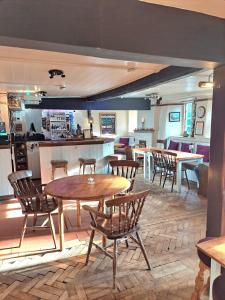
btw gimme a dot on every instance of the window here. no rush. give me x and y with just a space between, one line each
188 117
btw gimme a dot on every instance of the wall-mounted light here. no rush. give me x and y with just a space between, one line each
207 84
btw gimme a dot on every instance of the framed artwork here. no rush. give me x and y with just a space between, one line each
174 116
107 123
199 128
87 133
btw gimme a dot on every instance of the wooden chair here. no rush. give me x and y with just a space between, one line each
158 165
125 168
140 157
120 223
128 153
33 202
170 164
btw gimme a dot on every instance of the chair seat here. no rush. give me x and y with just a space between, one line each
59 163
42 206
116 229
219 288
88 161
140 156
203 257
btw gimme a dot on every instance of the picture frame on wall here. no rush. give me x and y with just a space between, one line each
107 123
199 128
174 116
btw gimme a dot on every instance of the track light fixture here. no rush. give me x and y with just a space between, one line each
55 72
207 84
41 93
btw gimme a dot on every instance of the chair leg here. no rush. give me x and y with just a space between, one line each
143 250
153 178
165 179
84 168
185 171
173 181
90 245
199 282
34 221
52 227
23 229
53 173
161 175
114 263
78 214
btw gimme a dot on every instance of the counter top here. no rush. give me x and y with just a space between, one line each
5 146
76 142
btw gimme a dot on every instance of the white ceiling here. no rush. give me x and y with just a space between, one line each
179 90
26 69
210 7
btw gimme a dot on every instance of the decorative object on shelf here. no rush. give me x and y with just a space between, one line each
87 133
201 110
144 130
107 123
142 122
14 101
174 116
199 128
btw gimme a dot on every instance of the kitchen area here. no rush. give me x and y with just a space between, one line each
32 138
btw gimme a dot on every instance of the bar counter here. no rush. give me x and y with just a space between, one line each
5 170
72 150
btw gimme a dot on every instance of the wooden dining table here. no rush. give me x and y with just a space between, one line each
182 157
215 249
78 187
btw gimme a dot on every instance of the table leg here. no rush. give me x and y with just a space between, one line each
102 208
78 214
61 224
179 176
215 271
149 166
145 165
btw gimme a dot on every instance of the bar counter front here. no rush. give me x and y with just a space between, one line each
71 151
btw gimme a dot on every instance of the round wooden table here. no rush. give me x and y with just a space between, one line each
77 188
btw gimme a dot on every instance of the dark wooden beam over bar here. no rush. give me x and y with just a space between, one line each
216 188
80 104
127 30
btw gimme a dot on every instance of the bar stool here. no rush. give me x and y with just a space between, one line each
57 164
111 158
87 162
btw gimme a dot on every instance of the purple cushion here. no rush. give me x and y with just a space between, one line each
204 150
219 288
173 145
185 147
124 140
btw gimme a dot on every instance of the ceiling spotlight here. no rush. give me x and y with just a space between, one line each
55 72
207 84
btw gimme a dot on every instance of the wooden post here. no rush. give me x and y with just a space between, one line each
216 184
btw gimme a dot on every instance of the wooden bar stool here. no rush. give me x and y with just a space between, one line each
57 164
111 158
87 162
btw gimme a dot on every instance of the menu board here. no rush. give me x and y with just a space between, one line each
107 123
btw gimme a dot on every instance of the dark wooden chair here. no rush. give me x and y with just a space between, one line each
33 202
128 153
170 164
58 164
125 168
140 157
158 165
121 222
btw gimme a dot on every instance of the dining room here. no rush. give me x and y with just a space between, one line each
111 153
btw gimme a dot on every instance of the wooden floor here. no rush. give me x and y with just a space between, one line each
171 225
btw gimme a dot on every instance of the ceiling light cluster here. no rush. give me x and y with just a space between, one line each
55 72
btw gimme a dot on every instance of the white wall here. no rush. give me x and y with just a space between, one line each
167 128
33 116
121 121
4 114
148 115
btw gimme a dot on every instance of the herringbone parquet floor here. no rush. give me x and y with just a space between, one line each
171 225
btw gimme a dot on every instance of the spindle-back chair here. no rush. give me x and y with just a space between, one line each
33 202
122 224
125 168
158 164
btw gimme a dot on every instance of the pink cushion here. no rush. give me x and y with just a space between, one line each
204 150
124 140
185 147
173 145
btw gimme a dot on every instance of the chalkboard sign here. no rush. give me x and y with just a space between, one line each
107 123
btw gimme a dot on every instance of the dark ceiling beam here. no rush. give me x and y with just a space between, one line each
72 103
127 30
163 76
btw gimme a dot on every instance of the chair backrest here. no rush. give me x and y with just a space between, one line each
128 209
25 190
128 153
142 144
157 158
125 168
170 160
